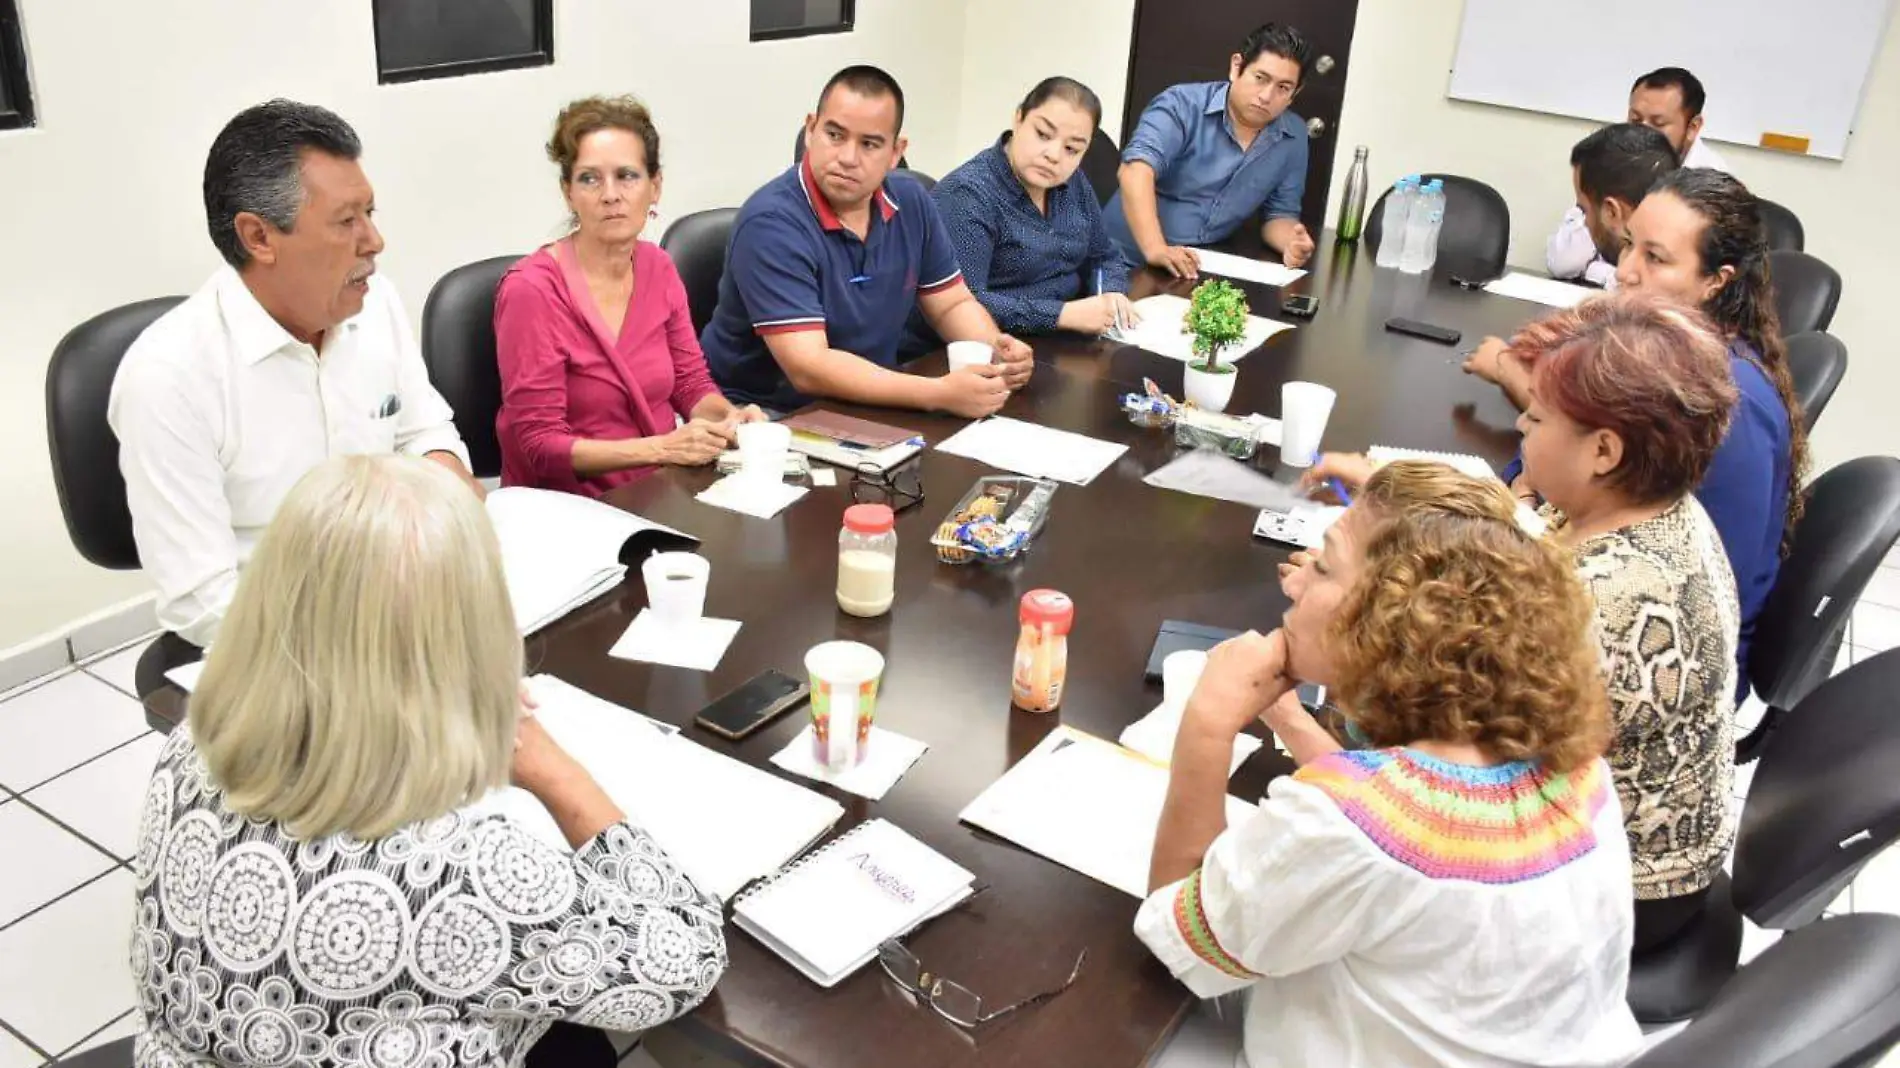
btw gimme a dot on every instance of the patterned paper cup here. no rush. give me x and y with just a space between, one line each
844 677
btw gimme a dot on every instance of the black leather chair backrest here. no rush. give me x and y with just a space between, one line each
1782 227
1824 799
1817 362
923 179
458 346
798 150
1806 291
1826 996
1851 522
1102 163
697 243
1477 234
85 453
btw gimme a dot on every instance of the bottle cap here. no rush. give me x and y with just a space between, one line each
1050 608
869 518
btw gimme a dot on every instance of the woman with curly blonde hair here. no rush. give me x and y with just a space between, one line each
1459 892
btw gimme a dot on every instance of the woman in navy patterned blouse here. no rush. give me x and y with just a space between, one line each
1028 226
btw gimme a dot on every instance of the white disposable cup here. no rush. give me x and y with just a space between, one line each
676 585
844 678
971 354
762 450
1179 672
1304 409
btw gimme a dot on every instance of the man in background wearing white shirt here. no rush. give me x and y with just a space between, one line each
1670 100
1612 171
292 353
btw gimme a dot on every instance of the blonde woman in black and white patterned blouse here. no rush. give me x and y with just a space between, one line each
1628 401
317 883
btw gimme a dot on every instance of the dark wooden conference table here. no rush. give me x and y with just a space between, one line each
1130 555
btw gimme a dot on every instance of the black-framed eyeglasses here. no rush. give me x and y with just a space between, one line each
954 1001
900 488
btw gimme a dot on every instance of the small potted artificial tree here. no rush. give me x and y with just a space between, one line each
1217 319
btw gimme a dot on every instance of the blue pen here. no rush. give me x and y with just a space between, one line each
1340 488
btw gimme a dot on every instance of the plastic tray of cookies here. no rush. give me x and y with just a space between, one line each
996 520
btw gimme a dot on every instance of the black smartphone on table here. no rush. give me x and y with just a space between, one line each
1300 306
769 695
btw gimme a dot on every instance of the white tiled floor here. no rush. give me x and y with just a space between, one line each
74 756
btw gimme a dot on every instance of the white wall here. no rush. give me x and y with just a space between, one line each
1395 102
1084 39
100 204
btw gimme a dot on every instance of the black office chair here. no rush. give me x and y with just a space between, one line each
458 347
1782 227
85 452
1477 231
923 179
798 149
1824 801
1817 362
1851 522
1806 291
697 243
1825 996
111 1055
1102 164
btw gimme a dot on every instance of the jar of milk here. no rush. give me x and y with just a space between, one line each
867 559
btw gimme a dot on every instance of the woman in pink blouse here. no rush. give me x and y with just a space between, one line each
599 364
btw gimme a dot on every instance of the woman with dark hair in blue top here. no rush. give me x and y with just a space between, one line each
1027 225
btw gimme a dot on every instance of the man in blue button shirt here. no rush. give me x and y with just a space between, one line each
1208 155
826 262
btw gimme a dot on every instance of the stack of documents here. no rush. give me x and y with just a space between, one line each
850 442
560 550
725 823
828 913
1163 330
1541 290
1087 804
1028 449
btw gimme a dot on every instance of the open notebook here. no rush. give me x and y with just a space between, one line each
827 914
724 822
560 550
1087 804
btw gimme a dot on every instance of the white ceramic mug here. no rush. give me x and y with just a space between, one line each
676 585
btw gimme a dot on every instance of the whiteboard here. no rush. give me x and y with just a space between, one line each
1783 67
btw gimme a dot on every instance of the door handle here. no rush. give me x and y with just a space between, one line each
1324 65
1315 128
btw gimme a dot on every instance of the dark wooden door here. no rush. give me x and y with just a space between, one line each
1191 40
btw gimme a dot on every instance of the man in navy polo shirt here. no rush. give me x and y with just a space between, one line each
1208 156
828 259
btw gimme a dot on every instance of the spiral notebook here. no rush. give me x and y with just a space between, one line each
828 913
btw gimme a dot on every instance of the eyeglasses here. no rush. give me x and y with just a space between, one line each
900 489
953 1001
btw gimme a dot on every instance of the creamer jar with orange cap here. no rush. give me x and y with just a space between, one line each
1042 650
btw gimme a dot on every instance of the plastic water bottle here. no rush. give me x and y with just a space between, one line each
1435 197
1418 234
1398 208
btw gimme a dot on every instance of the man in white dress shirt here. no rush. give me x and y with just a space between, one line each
292 353
1670 100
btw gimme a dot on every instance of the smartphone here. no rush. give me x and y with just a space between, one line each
768 696
1301 306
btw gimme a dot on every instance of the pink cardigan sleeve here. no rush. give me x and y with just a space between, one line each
692 380
533 426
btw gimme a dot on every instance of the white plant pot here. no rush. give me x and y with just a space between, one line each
1208 390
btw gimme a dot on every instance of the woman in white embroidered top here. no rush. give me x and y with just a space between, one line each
317 880
1458 894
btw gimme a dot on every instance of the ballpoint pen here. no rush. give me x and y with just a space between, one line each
1340 488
